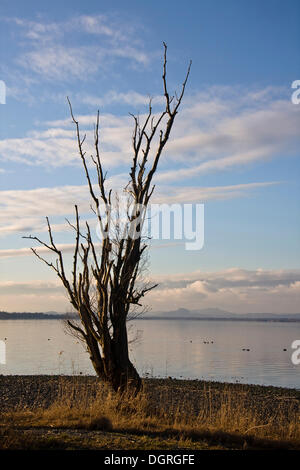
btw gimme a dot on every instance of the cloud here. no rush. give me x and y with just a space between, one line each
131 98
237 290
184 194
233 278
98 25
36 31
21 214
233 136
57 147
15 253
59 62
50 52
65 248
33 296
217 130
39 288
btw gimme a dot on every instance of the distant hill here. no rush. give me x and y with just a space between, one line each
219 314
185 313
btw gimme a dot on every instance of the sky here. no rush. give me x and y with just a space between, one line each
234 145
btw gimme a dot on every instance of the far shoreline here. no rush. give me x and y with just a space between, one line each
45 316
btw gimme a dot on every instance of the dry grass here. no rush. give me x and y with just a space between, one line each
223 418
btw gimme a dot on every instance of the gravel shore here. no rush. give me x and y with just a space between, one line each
41 390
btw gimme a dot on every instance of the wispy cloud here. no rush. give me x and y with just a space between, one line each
215 131
31 288
131 98
15 253
51 56
98 25
21 214
179 194
65 248
228 136
56 147
58 62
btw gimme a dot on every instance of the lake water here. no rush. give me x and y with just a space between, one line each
164 348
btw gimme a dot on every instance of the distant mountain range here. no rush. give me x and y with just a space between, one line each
218 314
179 314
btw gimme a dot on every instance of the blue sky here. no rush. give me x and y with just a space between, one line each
235 145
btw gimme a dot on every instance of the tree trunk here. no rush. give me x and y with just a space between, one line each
126 379
115 368
124 375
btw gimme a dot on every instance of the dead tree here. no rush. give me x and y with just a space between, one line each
113 270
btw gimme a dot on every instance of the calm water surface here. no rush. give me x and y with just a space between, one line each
164 348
